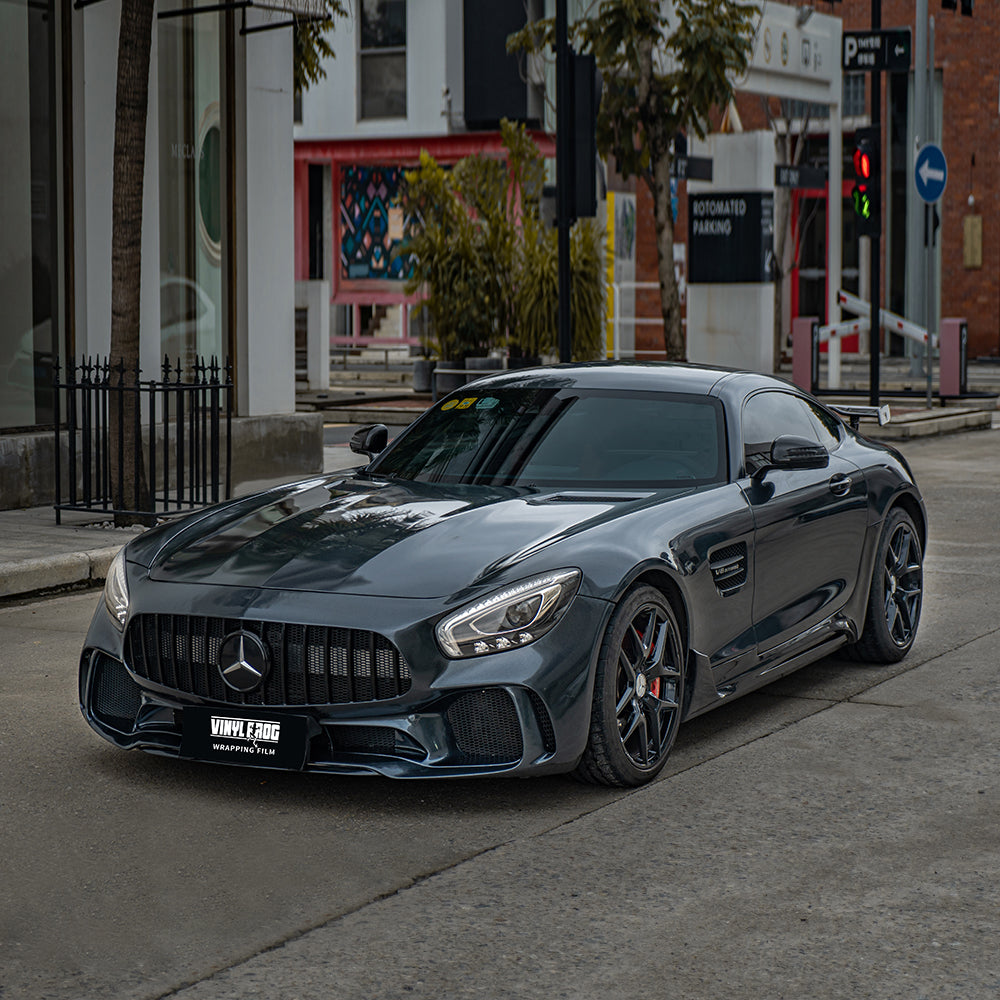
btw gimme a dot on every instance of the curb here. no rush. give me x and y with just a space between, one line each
28 576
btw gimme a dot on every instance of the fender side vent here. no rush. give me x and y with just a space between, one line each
729 568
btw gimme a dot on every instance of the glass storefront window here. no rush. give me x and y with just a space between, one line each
193 204
29 334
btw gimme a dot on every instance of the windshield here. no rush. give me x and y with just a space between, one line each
556 436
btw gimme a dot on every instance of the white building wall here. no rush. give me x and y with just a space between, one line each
264 198
433 63
95 35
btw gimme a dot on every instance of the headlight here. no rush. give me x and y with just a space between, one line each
116 591
513 617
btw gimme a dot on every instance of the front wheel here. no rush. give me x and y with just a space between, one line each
638 692
896 593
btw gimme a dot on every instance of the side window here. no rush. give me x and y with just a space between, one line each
828 426
768 415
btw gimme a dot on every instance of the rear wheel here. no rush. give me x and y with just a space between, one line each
896 593
637 692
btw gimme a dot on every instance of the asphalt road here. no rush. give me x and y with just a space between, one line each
835 835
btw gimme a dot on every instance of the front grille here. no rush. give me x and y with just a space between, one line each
729 568
115 696
485 727
310 664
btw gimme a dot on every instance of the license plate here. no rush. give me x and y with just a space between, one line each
238 737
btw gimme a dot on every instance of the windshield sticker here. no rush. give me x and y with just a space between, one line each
487 403
450 405
466 403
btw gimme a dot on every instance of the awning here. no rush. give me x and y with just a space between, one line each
295 11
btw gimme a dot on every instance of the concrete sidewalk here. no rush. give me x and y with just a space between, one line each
36 554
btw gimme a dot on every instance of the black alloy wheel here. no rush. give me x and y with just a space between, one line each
902 586
896 593
638 692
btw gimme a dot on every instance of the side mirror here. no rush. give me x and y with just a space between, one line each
789 452
370 440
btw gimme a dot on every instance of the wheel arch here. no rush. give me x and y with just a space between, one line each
660 579
913 507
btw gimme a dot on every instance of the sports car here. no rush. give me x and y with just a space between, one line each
548 571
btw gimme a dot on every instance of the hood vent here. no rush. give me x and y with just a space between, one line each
595 497
729 568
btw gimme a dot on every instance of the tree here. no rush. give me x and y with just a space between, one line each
310 45
130 491
486 262
663 74
789 149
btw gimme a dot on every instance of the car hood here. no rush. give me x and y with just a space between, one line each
353 535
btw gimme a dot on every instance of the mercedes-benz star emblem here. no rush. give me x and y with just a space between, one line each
243 661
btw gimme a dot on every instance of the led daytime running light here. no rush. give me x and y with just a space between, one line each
116 591
484 627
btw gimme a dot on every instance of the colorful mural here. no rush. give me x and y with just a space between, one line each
371 223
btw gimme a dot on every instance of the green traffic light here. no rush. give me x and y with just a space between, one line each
862 202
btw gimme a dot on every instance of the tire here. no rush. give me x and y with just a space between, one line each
896 593
638 693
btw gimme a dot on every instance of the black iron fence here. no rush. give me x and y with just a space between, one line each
122 431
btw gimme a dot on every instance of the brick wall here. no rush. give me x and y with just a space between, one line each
967 53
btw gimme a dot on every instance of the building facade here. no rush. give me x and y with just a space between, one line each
217 233
409 75
966 102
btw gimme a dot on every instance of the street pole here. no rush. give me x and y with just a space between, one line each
932 322
915 262
564 152
875 345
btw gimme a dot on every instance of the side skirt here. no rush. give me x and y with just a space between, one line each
827 637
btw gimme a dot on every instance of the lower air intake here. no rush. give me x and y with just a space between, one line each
116 697
486 727
362 739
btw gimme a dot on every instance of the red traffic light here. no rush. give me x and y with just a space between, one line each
866 195
862 163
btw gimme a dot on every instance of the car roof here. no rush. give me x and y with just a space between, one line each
659 376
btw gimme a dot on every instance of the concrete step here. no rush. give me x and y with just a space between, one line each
393 414
374 375
908 425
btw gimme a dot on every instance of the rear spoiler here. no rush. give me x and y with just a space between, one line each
855 413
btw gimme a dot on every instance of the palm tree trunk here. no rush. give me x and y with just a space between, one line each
130 491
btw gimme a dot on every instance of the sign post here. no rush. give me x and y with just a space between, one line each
876 51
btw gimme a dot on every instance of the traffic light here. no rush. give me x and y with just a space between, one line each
867 194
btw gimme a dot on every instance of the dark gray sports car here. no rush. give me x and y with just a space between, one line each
548 571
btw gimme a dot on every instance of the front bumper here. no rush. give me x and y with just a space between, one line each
522 711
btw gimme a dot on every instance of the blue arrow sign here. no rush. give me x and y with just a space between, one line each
930 173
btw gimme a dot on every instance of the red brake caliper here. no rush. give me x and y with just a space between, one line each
654 685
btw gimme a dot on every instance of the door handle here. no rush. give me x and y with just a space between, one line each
840 485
